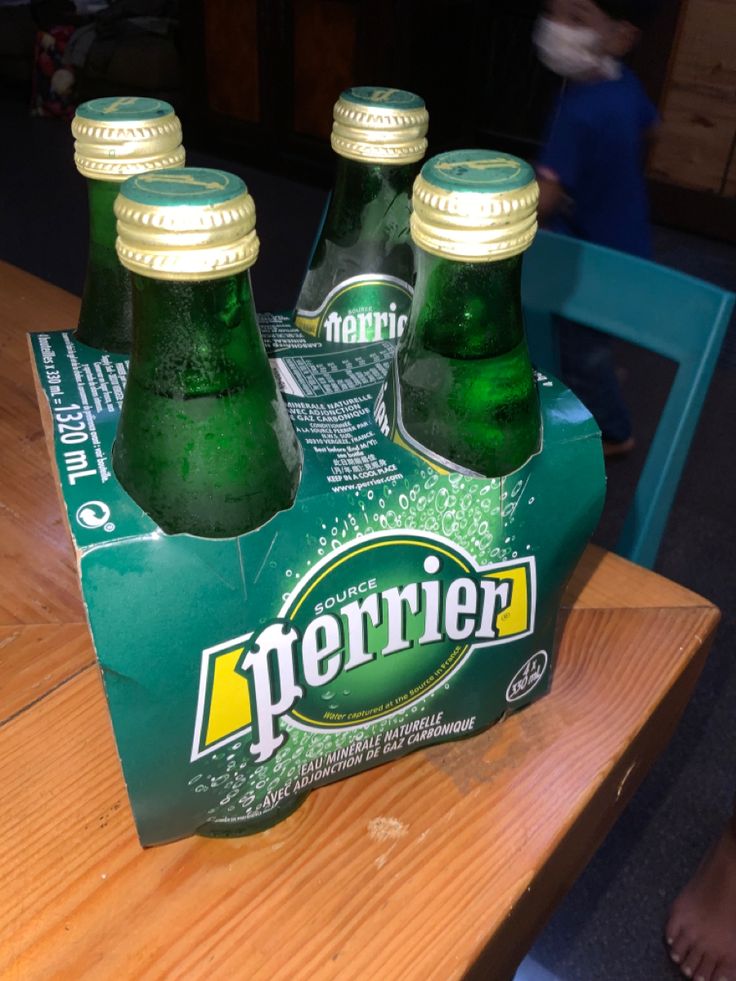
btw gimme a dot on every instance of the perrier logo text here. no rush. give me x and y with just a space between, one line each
359 310
375 626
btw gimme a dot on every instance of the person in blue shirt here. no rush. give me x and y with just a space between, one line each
591 172
591 181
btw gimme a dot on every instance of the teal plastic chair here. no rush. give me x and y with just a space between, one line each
677 316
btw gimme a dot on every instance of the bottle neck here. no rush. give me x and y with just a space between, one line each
105 318
369 200
466 310
194 339
102 225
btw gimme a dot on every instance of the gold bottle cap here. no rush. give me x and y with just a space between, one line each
475 206
118 137
188 223
380 125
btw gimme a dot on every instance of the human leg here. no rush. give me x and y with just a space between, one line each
586 359
701 929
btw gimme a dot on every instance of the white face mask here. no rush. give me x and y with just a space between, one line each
572 52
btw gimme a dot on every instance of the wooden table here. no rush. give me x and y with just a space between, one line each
444 863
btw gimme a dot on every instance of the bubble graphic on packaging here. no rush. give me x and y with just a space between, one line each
463 509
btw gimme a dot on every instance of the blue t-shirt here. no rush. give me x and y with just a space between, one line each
595 145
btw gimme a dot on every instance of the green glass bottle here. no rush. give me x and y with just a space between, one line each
359 282
204 443
463 393
114 139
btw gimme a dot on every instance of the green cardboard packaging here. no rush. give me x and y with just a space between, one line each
392 607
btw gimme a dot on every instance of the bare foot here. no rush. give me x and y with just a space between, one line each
701 930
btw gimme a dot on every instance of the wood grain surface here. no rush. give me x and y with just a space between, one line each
232 58
695 145
43 633
440 865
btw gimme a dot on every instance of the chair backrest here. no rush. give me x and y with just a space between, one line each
677 316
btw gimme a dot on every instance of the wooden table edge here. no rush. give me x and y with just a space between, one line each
607 799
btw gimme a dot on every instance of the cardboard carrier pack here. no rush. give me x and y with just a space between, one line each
393 606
